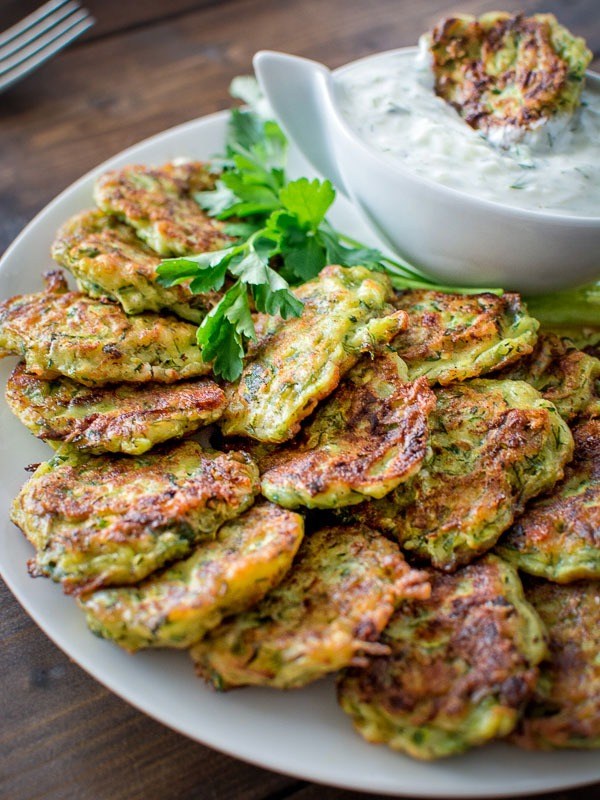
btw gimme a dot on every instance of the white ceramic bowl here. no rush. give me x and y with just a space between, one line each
450 235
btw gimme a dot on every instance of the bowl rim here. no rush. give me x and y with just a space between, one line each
551 217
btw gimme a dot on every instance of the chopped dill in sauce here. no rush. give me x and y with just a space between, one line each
389 101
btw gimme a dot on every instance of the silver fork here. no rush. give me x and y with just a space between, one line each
38 37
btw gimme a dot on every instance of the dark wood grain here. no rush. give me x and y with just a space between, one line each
111 17
146 66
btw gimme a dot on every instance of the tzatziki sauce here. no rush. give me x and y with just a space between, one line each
389 101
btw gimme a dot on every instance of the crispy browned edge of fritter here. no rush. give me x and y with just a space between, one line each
480 628
126 201
388 428
555 356
572 717
514 425
438 339
157 402
49 496
578 514
396 579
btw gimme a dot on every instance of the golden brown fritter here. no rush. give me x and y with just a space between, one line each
451 337
461 666
58 332
508 71
105 520
558 536
493 446
326 613
562 374
176 608
298 362
121 418
565 709
110 262
368 437
159 204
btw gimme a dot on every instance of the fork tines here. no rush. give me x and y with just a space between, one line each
38 37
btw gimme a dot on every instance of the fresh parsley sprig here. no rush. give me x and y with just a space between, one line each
222 332
280 238
289 237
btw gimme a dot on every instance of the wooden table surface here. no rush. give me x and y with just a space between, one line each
146 66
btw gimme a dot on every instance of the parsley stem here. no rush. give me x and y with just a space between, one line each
405 276
402 269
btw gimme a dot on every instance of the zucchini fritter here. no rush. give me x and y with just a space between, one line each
110 262
330 608
178 606
105 520
58 332
460 669
300 361
562 374
565 709
493 446
451 337
122 418
506 74
368 437
159 204
558 536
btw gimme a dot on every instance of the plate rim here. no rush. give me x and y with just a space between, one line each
308 772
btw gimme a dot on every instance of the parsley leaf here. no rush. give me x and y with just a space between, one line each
301 251
308 200
246 89
217 200
241 230
207 267
279 302
210 280
245 130
253 174
221 333
339 253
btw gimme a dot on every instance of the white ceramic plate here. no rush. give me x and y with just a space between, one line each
302 732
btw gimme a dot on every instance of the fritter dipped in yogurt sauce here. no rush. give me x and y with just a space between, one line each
414 109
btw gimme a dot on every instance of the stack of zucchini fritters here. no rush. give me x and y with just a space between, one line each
423 486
